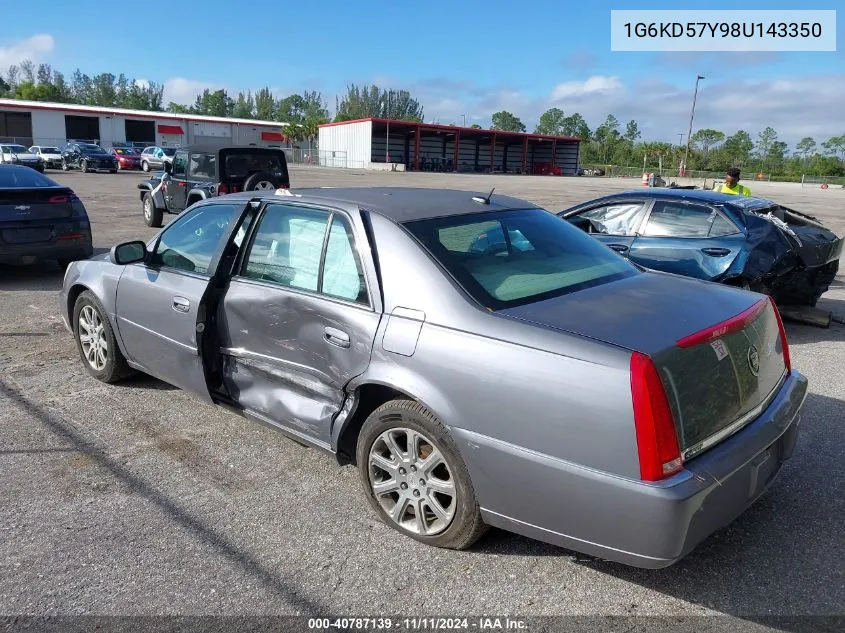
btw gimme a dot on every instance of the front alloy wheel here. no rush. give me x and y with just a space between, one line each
92 338
95 340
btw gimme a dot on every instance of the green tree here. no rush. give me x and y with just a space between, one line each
551 122
216 103
506 122
178 108
835 145
44 76
606 136
370 101
27 71
575 125
706 139
5 88
738 148
805 147
265 105
632 132
475 126
244 106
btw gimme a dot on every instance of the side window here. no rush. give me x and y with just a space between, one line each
202 165
722 226
180 160
676 219
620 218
343 276
288 246
191 240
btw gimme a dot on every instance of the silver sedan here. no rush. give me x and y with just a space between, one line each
481 361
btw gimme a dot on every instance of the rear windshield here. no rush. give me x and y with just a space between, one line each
510 258
11 177
17 149
240 165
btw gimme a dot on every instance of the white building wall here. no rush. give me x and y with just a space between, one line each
247 135
346 145
48 127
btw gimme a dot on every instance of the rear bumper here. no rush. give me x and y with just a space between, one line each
56 248
618 519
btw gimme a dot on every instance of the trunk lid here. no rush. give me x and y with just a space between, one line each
714 384
37 203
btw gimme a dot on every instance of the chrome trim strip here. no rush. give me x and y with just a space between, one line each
737 425
240 352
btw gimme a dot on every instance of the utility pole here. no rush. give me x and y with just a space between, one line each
691 117
465 119
680 138
387 138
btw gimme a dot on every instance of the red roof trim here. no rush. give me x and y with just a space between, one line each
272 136
170 129
161 116
455 128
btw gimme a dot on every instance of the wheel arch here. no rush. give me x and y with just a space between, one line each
73 295
368 393
194 196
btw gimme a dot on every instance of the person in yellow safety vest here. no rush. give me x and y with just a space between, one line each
731 184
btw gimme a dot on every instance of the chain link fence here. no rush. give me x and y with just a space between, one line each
318 158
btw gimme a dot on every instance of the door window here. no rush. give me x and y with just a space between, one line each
179 164
202 166
677 219
722 226
619 218
289 245
191 241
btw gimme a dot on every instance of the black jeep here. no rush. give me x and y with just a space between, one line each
198 173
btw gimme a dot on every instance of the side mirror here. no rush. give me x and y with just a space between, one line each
128 253
168 167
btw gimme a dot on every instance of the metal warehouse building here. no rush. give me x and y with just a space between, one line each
385 144
40 123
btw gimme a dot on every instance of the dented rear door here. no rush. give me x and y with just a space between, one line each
297 320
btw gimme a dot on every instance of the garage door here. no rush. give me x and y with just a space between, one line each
82 128
141 132
16 127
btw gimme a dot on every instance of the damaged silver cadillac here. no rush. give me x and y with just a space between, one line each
542 384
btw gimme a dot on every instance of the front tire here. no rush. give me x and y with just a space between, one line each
145 166
153 217
414 477
95 340
65 166
84 166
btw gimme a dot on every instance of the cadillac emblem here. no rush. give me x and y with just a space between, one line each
754 360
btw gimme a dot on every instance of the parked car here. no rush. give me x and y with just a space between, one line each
156 157
742 241
552 391
13 154
87 157
51 156
197 173
127 158
40 219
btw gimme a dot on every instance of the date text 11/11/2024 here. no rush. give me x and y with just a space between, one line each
418 623
723 29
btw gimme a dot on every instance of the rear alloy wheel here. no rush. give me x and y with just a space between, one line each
95 340
152 216
415 478
65 166
84 166
145 166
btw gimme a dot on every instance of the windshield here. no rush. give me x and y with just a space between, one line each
17 149
50 150
24 177
124 151
88 148
543 256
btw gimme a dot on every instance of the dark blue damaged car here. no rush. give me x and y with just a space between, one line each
748 242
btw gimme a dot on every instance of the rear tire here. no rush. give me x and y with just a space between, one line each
84 166
65 166
153 216
95 340
145 165
434 502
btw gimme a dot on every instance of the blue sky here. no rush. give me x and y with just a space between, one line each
459 58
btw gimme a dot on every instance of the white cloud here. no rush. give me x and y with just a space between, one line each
143 84
35 48
185 91
597 84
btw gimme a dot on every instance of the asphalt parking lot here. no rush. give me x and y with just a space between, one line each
138 499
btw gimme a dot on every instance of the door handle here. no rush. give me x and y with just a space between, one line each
716 252
181 304
619 248
336 337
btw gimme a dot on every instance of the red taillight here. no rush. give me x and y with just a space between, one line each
787 360
63 199
223 189
71 236
657 440
734 324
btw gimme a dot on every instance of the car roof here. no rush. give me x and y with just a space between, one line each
213 149
400 204
701 195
